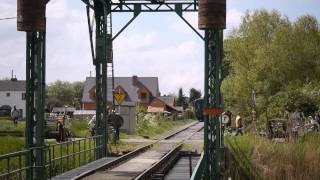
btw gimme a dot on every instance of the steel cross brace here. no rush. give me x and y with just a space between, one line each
35 101
212 99
147 6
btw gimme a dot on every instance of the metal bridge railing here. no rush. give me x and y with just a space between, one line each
70 155
13 165
59 158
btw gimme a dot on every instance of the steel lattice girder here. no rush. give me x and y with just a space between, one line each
212 99
148 6
35 97
100 62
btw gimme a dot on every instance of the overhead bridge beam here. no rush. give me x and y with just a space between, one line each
154 7
149 6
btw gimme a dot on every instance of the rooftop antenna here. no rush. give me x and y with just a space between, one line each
90 73
12 74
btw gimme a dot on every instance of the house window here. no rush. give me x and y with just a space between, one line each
8 94
23 96
143 96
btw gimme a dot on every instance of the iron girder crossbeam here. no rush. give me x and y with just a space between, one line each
212 99
147 6
166 6
135 15
35 97
179 11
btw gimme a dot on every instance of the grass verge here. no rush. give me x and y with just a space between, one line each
278 161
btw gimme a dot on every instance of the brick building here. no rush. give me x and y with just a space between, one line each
163 104
142 90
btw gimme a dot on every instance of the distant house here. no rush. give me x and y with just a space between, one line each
163 104
13 92
137 90
140 90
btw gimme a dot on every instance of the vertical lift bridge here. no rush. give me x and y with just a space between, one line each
31 18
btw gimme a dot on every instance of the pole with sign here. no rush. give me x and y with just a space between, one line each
119 96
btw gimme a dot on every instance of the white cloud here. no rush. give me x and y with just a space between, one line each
136 42
57 9
180 26
176 66
233 18
68 51
8 9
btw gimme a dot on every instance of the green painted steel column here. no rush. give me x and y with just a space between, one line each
39 104
101 78
29 101
205 104
212 100
35 101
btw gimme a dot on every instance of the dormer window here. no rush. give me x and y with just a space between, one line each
144 96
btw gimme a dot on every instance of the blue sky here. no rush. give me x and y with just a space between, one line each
155 44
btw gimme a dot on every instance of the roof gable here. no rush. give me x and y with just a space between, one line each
151 83
8 85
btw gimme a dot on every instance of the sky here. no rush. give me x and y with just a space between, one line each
155 44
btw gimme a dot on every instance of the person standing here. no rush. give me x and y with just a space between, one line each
15 115
238 125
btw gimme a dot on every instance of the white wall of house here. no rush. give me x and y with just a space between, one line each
128 113
14 97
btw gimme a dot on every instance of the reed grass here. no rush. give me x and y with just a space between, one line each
281 161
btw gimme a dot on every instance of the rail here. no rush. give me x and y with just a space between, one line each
117 161
133 153
164 161
59 158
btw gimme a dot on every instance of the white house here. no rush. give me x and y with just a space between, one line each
13 92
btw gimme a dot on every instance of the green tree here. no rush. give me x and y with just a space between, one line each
62 93
194 94
276 58
181 100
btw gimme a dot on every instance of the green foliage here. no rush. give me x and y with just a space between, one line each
9 126
79 128
280 160
11 144
140 109
181 100
276 58
64 93
194 94
152 125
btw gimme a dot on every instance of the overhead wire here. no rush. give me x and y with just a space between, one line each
7 18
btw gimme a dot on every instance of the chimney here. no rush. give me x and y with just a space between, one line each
13 78
134 80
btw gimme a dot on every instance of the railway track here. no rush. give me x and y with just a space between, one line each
149 162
